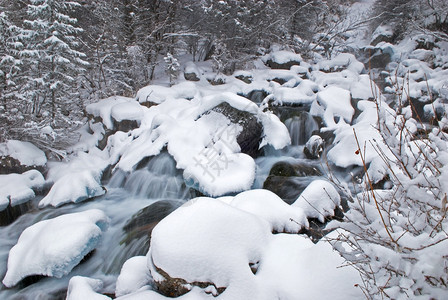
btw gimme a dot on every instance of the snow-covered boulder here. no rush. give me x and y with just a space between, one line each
156 94
133 276
82 288
18 157
54 247
319 200
73 188
206 243
16 189
192 72
314 147
101 111
270 207
343 61
337 104
127 115
282 59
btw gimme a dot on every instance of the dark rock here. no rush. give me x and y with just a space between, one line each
382 38
125 125
191 77
256 96
217 81
280 81
143 222
286 66
245 79
287 188
287 169
379 60
11 213
250 137
9 165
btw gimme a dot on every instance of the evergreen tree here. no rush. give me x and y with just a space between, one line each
53 61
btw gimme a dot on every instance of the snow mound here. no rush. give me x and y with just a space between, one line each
318 200
25 152
207 241
103 109
82 288
158 94
127 111
342 61
336 102
267 205
54 247
16 189
74 187
133 276
282 57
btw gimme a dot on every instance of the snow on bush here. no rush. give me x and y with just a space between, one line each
25 152
16 189
54 247
397 237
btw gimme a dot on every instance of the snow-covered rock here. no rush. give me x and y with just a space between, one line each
270 207
336 102
103 109
82 288
133 276
157 94
206 241
54 247
319 200
282 59
25 152
16 189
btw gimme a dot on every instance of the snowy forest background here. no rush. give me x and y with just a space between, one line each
329 116
58 56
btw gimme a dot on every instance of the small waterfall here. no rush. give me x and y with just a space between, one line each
301 128
158 179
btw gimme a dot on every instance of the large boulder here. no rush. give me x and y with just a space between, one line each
249 138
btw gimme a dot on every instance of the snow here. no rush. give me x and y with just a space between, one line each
158 94
343 60
16 189
282 57
74 187
208 241
203 142
25 152
318 200
270 207
336 102
127 111
103 109
54 247
133 276
81 288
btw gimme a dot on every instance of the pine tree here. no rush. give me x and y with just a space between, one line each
53 61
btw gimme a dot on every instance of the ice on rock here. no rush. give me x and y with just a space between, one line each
336 102
74 187
318 200
83 288
54 247
267 205
133 276
16 189
103 109
208 241
25 152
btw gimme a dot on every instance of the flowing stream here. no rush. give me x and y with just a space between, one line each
128 194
